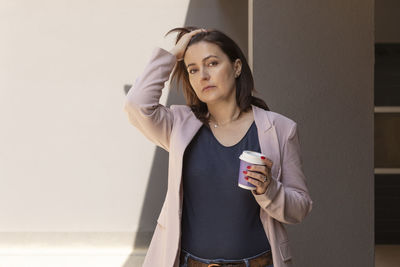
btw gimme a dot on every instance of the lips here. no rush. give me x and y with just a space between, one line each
207 87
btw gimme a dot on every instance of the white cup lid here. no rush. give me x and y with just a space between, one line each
252 157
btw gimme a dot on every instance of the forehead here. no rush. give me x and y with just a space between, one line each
196 52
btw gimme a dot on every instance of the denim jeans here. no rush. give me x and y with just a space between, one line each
209 261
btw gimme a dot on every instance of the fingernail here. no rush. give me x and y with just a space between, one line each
249 167
245 172
262 157
247 178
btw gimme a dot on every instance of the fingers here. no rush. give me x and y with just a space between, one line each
181 46
267 161
261 185
193 33
258 168
257 173
256 176
255 182
262 168
198 30
257 179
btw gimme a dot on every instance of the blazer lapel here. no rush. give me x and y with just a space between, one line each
268 139
187 133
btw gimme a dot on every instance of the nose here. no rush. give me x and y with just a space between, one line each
204 74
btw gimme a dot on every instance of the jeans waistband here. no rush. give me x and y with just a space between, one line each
187 254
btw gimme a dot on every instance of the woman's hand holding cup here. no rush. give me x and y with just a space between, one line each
256 175
254 171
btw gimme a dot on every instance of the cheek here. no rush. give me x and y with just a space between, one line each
194 86
224 78
224 74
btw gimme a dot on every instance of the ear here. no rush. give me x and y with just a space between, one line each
238 66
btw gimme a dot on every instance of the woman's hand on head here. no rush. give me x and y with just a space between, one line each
180 47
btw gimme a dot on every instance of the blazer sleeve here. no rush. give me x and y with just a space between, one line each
288 200
151 118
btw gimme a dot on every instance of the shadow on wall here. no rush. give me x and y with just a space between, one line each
229 16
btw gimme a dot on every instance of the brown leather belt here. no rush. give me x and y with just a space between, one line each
261 261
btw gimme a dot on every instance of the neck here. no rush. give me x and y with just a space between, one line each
223 112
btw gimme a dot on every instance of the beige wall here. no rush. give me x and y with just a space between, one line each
70 161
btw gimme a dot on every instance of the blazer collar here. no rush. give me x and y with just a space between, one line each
261 118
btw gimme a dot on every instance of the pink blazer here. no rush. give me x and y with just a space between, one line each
286 200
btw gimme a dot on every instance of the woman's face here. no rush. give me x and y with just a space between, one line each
208 65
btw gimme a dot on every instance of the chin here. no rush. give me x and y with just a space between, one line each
211 100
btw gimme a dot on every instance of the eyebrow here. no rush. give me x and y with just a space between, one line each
204 59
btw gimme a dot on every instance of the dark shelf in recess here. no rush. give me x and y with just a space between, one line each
387 208
387 74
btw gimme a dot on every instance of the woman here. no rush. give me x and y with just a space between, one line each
206 219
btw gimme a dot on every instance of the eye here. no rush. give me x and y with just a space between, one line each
212 63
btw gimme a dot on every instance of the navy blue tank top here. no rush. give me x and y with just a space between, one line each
219 218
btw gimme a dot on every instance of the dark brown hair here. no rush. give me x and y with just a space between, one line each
244 83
